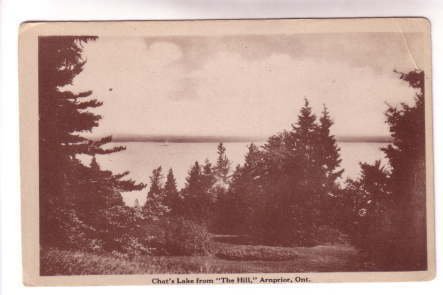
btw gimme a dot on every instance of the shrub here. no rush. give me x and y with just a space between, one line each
184 237
74 233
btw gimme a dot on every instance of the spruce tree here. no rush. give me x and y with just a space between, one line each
63 117
192 192
222 166
304 133
252 158
328 155
243 206
172 197
329 152
155 206
407 182
197 195
304 203
370 201
394 201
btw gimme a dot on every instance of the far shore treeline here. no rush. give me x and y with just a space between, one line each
286 193
225 139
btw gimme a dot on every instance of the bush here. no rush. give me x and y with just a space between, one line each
118 230
184 237
74 233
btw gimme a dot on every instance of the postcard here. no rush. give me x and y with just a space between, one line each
226 151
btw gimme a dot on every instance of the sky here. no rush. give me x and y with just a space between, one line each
246 85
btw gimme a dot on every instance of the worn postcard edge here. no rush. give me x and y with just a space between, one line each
28 91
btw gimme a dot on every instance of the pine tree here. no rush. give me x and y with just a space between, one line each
394 203
370 201
221 169
172 197
191 193
303 135
65 182
155 206
97 191
252 158
242 206
208 177
407 182
328 155
193 185
304 188
197 197
329 152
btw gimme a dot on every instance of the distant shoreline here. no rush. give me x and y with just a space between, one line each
209 139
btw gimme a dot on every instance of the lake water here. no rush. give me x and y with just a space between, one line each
140 158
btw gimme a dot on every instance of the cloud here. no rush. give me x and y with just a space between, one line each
242 86
263 96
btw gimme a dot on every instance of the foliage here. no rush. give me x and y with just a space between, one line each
222 167
198 197
266 260
155 206
172 197
283 191
390 205
286 193
71 194
185 237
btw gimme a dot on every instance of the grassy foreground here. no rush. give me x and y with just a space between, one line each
226 258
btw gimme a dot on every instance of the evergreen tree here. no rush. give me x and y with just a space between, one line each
394 203
329 161
221 169
155 206
407 182
303 135
371 201
192 192
197 197
242 206
63 116
305 186
329 152
297 173
172 197
208 177
252 158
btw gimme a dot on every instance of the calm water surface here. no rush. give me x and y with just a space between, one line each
140 158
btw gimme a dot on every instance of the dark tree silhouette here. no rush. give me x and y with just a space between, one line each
63 117
239 206
390 206
222 167
285 191
369 200
407 182
155 206
172 197
197 194
329 160
328 150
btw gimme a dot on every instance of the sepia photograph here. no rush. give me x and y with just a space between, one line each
183 150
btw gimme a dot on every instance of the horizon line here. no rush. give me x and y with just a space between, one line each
229 138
